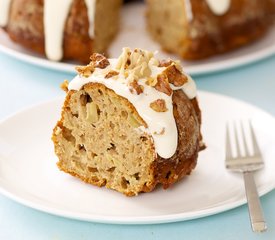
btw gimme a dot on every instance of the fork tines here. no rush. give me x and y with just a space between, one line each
247 161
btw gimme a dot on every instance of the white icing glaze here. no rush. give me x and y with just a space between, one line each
166 143
91 5
188 10
4 12
219 7
188 88
54 22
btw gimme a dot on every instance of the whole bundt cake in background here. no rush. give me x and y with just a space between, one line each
193 29
196 29
129 123
63 29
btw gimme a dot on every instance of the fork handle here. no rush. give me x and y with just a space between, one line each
255 211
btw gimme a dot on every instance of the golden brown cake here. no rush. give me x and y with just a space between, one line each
196 29
129 123
63 29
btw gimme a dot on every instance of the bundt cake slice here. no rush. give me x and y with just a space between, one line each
129 123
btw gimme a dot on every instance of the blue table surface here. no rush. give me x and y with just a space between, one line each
22 85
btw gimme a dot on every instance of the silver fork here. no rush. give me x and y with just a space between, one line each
247 164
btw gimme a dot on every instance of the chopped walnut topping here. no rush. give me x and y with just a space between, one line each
99 61
128 63
151 81
64 86
126 74
85 71
135 86
95 57
135 62
175 76
111 74
159 105
165 63
178 66
163 85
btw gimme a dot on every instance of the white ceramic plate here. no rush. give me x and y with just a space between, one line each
28 173
133 34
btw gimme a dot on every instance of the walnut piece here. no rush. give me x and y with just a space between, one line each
111 74
175 76
159 105
64 86
165 63
85 71
99 61
163 84
136 87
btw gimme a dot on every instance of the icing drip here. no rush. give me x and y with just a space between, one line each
54 22
188 10
91 5
219 7
161 125
4 12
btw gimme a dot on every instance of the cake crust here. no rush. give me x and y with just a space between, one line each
188 119
230 31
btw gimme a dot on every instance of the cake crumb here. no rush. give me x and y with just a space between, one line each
161 132
64 85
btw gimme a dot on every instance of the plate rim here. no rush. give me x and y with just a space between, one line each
126 220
